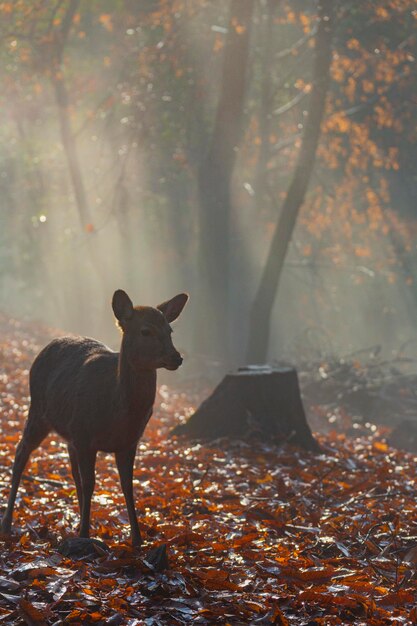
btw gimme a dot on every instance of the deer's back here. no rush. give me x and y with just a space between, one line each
73 383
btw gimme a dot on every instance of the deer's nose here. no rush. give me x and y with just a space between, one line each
177 358
174 360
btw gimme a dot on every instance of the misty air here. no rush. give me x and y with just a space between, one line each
208 312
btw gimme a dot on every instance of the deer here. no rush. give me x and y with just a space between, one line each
99 400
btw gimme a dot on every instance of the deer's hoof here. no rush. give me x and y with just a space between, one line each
157 558
81 547
5 526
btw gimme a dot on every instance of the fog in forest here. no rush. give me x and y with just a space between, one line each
151 146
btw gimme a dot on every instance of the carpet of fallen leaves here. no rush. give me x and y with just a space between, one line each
255 533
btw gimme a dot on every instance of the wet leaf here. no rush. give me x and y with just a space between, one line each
30 614
256 533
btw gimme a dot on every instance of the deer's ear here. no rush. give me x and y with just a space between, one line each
172 308
122 306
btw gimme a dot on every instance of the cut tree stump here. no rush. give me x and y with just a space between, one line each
261 398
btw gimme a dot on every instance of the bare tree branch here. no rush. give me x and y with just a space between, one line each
298 44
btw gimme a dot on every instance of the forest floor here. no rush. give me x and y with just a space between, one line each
256 533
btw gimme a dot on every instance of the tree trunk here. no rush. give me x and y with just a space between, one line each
260 320
70 148
261 399
214 188
265 117
63 104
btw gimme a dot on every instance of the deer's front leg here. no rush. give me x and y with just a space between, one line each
86 465
125 461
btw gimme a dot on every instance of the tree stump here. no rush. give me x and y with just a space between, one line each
259 398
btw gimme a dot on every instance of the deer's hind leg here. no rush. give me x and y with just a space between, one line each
36 429
76 474
86 465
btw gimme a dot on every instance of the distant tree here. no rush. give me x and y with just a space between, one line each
260 320
214 180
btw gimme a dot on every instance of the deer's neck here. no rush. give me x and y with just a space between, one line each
137 387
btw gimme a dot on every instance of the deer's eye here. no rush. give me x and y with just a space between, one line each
146 332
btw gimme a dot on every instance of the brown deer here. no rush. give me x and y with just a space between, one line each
99 400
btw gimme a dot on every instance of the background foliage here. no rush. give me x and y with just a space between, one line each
108 109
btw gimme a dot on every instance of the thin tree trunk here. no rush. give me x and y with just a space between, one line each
260 182
214 188
73 161
62 100
70 149
260 320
